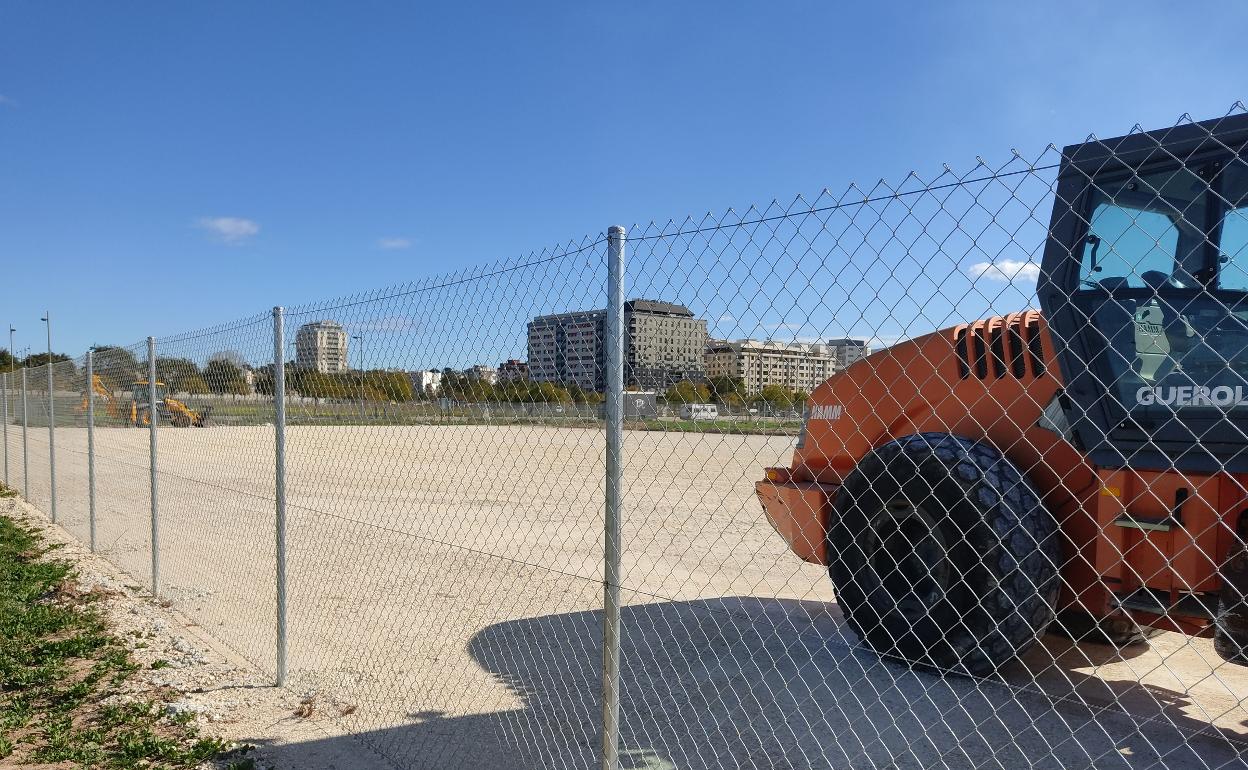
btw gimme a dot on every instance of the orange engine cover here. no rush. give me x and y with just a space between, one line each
990 381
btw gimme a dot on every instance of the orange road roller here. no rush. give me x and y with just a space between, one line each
1082 468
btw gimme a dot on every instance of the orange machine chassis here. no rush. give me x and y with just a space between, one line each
1147 542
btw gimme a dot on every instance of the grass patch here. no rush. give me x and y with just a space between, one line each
58 661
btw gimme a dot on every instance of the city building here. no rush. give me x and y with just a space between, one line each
512 370
482 373
848 350
793 365
664 344
426 382
566 349
321 346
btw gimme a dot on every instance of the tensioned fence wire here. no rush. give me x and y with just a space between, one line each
445 502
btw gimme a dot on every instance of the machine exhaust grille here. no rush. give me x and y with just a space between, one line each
1012 343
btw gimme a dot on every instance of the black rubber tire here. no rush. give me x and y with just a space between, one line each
990 582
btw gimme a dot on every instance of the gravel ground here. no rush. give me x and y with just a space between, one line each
444 582
188 671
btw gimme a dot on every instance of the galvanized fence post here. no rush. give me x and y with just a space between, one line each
91 445
614 413
25 443
6 427
153 417
47 318
279 481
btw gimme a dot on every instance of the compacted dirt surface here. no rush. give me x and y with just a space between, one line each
444 610
187 672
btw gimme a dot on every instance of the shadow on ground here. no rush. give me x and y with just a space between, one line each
775 684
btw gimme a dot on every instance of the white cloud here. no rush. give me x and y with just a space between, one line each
230 229
393 243
1005 271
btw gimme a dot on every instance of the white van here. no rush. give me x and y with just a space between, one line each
699 412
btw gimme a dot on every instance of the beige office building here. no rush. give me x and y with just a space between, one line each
665 344
793 365
321 346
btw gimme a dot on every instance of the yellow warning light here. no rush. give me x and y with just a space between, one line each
777 474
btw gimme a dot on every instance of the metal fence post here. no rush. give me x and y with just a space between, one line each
47 318
153 417
8 383
25 443
614 413
5 376
279 481
91 445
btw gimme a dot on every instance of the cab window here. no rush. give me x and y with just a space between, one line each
1233 234
1233 267
1124 243
1145 231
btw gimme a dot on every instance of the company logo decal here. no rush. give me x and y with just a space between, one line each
825 412
1193 395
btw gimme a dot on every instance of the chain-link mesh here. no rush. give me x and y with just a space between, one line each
943 473
478 504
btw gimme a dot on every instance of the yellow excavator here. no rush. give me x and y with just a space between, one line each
104 398
138 413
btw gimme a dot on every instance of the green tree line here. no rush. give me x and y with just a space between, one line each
730 391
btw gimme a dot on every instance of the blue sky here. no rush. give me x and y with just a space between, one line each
165 167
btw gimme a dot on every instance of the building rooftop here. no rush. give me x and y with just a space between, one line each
555 317
657 307
324 324
778 345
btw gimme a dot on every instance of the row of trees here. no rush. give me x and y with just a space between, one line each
730 391
226 374
118 369
460 387
374 385
8 361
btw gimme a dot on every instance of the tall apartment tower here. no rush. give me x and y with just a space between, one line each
847 350
567 349
321 346
664 344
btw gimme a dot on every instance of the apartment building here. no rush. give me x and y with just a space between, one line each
426 382
793 365
512 370
482 373
566 349
321 346
664 344
847 350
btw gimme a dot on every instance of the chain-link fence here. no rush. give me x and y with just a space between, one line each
944 473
